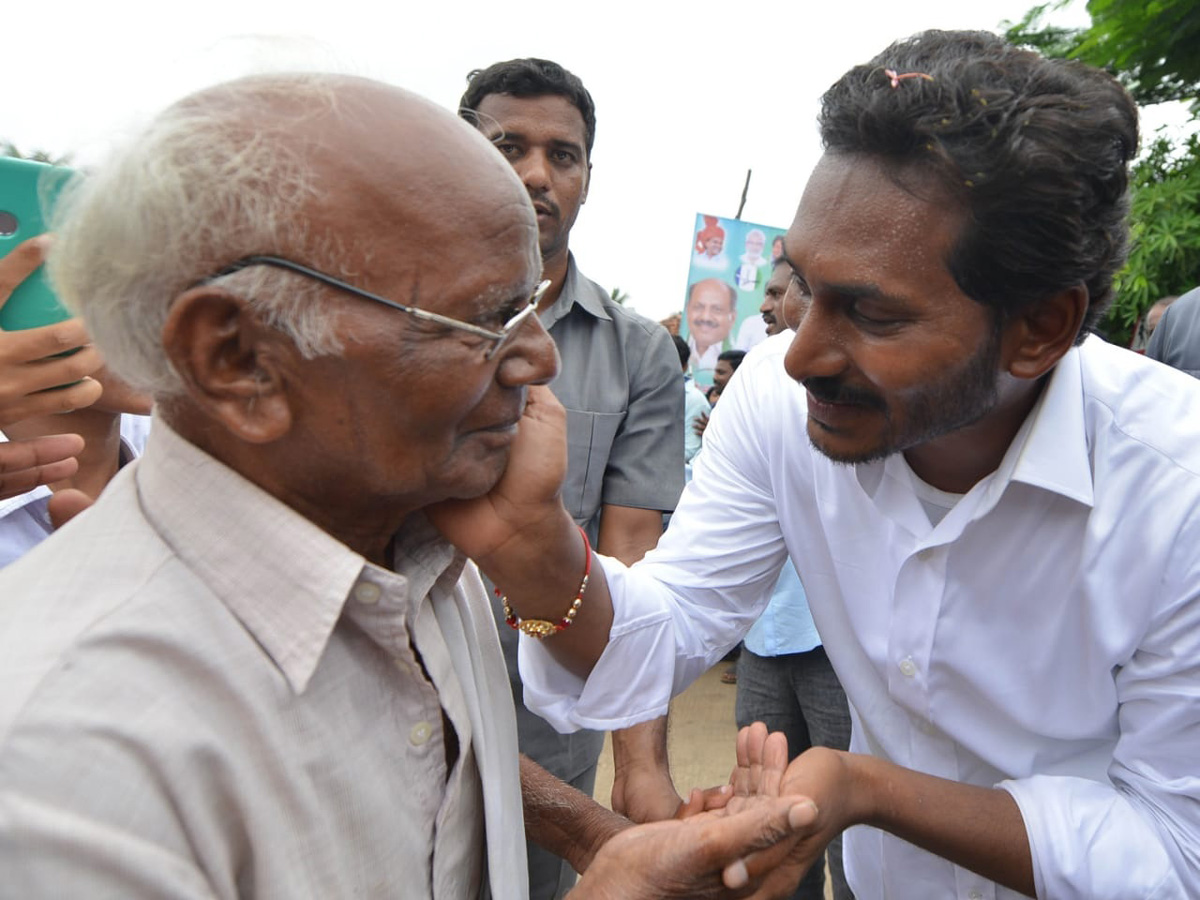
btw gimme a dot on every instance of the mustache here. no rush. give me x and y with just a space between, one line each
834 390
544 203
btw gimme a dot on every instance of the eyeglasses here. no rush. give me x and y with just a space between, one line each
498 338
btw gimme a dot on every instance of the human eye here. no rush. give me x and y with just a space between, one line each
500 316
507 148
798 285
875 320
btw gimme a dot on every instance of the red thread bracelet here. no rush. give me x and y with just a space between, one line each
543 628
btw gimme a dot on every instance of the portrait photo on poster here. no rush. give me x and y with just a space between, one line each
731 261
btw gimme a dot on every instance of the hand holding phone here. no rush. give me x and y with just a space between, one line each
32 368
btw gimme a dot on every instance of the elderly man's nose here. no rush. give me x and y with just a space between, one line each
531 357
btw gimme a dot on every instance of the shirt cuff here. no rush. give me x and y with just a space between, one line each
636 675
1089 841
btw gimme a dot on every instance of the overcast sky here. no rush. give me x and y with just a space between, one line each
688 95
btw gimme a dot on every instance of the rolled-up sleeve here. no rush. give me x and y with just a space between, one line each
1138 836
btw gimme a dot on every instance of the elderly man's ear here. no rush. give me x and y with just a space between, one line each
233 365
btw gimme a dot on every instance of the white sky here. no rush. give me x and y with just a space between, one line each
688 95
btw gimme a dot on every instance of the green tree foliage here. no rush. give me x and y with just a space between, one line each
1153 47
1165 224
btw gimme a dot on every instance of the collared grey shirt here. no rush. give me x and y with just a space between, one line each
620 385
1176 340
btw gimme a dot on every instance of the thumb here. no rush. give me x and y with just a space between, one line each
727 840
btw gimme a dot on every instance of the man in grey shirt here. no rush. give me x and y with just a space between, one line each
1176 340
619 379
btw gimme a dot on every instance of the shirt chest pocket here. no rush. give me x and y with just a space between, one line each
590 437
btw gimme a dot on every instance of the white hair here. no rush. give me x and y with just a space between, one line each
207 183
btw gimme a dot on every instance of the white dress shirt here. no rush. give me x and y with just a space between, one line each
203 695
1043 636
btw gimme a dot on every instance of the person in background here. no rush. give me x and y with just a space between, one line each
1144 329
1176 339
695 405
619 381
727 364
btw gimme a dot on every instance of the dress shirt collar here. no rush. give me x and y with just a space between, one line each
574 293
284 578
1056 455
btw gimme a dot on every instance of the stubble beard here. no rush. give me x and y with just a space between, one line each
957 400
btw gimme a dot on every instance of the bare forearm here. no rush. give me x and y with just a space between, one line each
562 820
628 533
978 828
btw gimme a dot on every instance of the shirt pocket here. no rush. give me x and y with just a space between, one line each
590 438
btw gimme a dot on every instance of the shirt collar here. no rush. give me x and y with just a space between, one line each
577 291
1049 451
284 578
1055 456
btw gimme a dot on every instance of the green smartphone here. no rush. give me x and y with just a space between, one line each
28 192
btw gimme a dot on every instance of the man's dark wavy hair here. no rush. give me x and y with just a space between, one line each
1035 150
530 77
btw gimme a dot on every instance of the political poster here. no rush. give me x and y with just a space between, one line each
731 261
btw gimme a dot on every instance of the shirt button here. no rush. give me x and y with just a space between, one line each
975 895
420 733
908 668
925 556
366 593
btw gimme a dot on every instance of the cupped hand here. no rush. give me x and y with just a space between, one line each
710 855
29 362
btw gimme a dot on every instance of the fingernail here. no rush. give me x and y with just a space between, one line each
736 875
803 813
726 788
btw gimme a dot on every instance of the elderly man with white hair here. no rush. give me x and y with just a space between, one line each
253 669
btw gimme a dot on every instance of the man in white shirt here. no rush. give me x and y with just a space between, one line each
252 668
996 517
